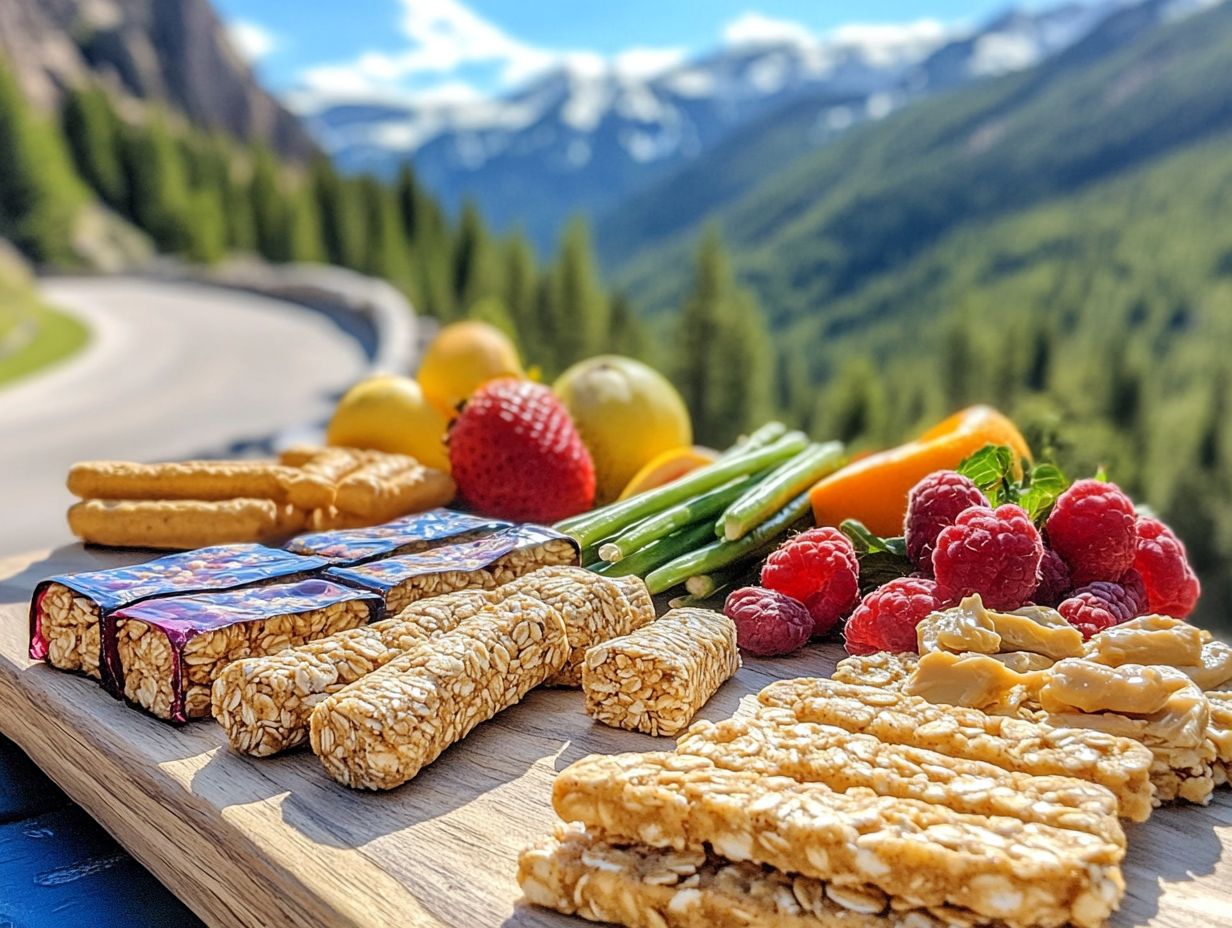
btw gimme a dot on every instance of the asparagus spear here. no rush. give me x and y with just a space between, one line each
768 497
722 553
658 552
611 519
759 438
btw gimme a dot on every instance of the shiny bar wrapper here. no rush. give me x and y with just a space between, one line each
469 565
408 535
226 626
221 567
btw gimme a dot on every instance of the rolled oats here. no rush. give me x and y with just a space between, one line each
883 669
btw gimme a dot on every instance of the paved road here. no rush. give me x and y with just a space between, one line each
172 370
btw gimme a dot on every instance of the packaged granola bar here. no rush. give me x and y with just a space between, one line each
407 535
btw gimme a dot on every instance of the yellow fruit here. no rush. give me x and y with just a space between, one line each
389 413
626 413
666 467
461 357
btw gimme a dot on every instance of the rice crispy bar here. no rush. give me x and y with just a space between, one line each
66 611
577 873
1023 873
168 652
656 678
382 730
775 743
1119 764
263 704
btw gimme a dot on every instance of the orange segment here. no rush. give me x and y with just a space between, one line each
874 489
668 466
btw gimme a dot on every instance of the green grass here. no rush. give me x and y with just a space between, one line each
55 335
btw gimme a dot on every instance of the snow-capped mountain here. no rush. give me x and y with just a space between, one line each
582 137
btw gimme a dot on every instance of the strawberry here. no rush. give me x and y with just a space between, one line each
515 454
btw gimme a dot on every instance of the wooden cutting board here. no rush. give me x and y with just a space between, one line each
275 842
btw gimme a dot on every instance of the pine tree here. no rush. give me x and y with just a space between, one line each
271 217
159 197
306 239
341 215
475 265
700 319
582 325
388 254
520 278
629 335
92 130
40 196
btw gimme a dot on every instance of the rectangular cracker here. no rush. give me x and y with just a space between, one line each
1023 873
655 679
1119 764
165 654
200 480
775 743
381 731
182 524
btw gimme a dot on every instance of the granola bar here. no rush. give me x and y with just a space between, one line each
774 743
263 704
382 730
578 873
656 678
166 653
1120 764
66 611
407 535
482 564
883 669
1023 873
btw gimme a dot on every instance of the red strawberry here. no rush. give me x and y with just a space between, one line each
515 454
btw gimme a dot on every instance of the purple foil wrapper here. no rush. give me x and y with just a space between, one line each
344 547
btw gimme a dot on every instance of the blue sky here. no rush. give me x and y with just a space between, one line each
455 49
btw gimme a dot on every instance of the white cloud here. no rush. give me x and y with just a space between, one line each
252 40
759 29
645 62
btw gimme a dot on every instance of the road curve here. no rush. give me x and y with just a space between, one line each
172 369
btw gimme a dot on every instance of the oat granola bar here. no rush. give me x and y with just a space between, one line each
482 564
263 704
166 653
577 873
883 669
656 678
381 731
66 611
407 535
775 743
1121 765
925 854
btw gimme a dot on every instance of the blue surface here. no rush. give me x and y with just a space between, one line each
58 868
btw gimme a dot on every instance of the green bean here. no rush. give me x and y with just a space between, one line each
768 497
657 553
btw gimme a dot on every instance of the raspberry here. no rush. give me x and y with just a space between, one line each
935 502
818 567
768 623
1172 588
1098 605
886 618
1092 527
993 552
1054 583
1135 590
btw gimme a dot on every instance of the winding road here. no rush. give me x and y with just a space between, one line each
172 370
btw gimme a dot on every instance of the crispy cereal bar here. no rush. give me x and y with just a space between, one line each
775 743
882 669
168 652
1119 764
577 873
656 678
1023 873
407 535
381 731
66 611
482 564
263 704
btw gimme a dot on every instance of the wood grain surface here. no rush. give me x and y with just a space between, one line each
275 842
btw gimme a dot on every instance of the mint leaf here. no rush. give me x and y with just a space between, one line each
865 542
1040 489
990 469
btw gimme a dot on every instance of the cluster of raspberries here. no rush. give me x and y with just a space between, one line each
1096 561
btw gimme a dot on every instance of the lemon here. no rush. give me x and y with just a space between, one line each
461 357
389 413
627 414
666 467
